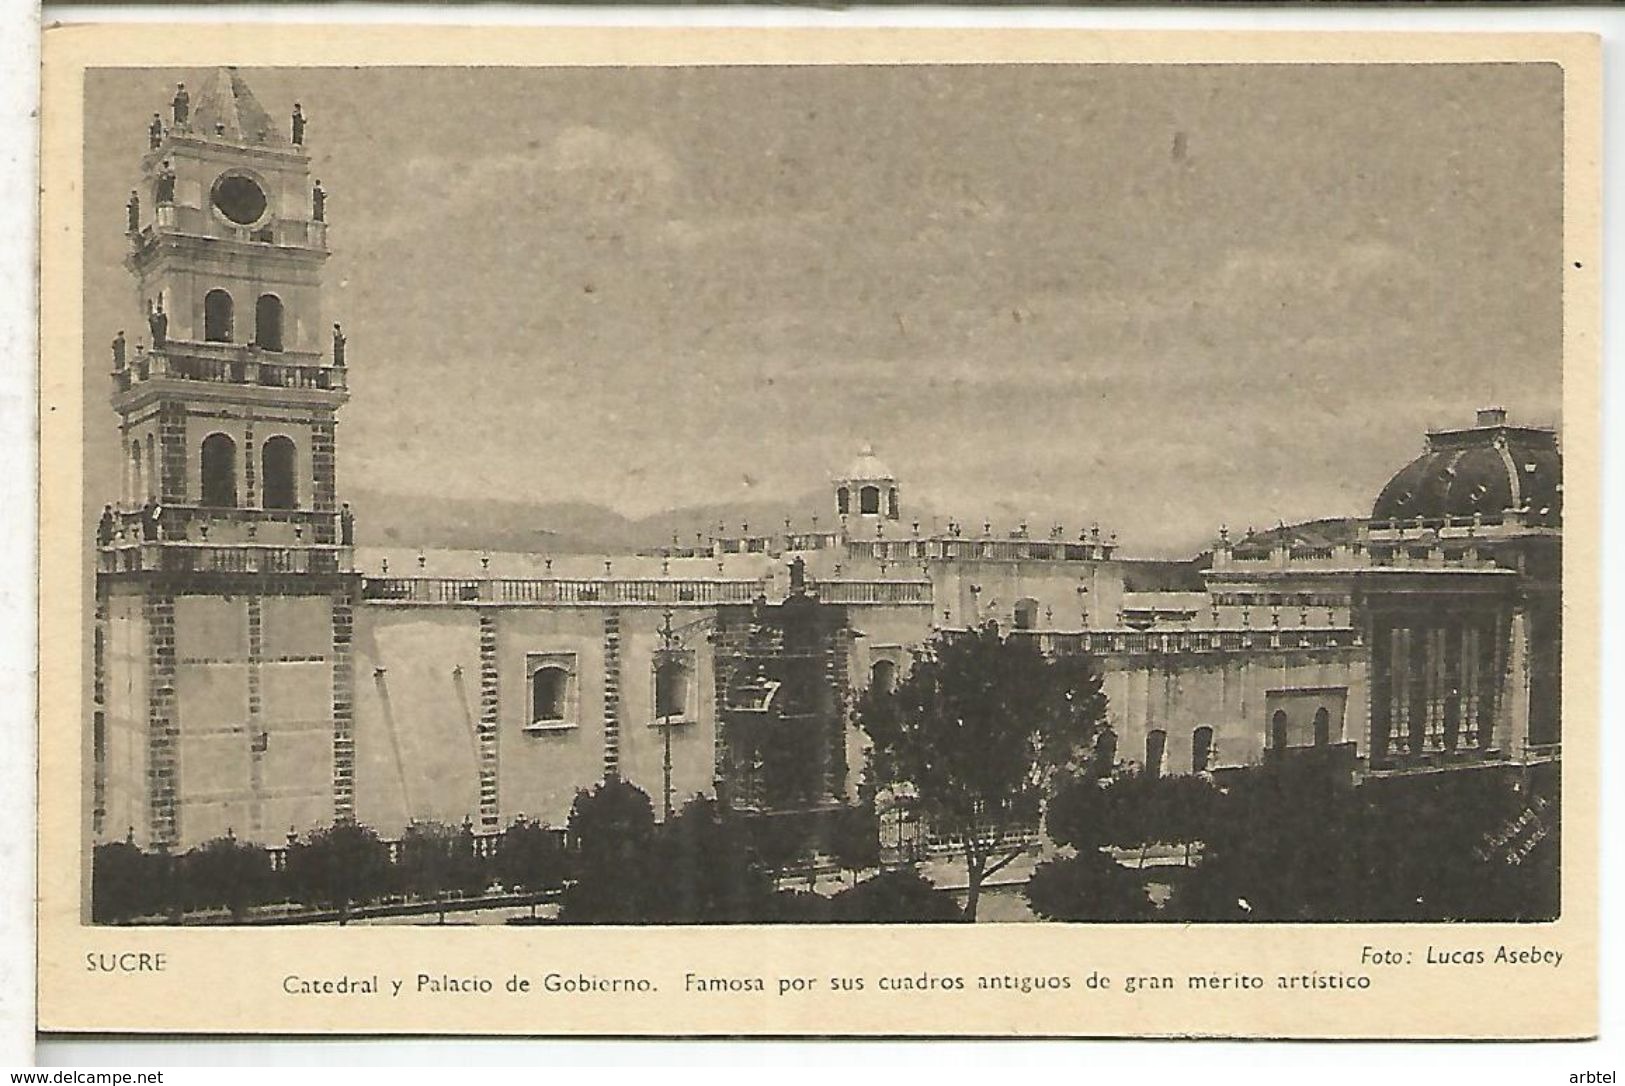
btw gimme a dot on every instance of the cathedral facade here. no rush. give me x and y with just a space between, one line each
256 673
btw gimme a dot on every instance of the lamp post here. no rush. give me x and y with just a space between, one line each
668 641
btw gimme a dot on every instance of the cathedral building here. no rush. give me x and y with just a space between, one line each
256 673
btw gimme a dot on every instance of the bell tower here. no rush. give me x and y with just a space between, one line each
867 490
225 571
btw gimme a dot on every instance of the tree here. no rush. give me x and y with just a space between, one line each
433 859
1281 845
979 728
1079 814
610 836
124 883
900 896
1132 810
781 841
1090 886
705 870
855 838
226 872
530 857
340 866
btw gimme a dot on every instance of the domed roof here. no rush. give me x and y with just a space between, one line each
1487 469
868 466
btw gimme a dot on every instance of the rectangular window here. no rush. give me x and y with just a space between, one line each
551 691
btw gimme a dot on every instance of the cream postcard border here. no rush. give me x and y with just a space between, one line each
228 980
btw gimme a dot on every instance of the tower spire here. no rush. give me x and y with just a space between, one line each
226 109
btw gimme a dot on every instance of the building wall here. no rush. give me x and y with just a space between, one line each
420 751
416 707
1232 693
123 768
642 744
243 740
253 693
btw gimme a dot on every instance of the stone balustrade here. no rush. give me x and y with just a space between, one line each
231 364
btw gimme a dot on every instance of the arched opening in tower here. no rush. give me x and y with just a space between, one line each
869 501
277 471
268 322
217 316
219 471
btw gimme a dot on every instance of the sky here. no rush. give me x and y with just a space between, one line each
1160 298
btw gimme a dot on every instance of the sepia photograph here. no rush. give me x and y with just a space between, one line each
779 495
529 497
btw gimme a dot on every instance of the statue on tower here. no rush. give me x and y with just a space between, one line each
158 324
318 201
132 212
298 125
118 350
155 132
339 340
166 185
182 105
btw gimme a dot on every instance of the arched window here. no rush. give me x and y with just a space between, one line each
152 468
1156 750
1323 727
671 690
883 677
277 474
891 503
869 500
219 471
843 501
1278 730
1105 753
268 322
217 317
1026 617
1202 749
548 689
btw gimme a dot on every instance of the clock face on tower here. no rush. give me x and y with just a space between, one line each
239 199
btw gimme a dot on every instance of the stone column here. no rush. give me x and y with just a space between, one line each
1515 679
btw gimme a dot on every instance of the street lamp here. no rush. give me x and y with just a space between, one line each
668 641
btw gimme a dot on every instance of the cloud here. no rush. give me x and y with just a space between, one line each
634 159
582 172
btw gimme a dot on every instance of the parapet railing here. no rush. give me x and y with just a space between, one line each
560 591
193 523
235 558
231 364
1231 639
901 593
629 592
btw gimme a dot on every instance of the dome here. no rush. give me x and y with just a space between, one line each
1486 470
868 466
